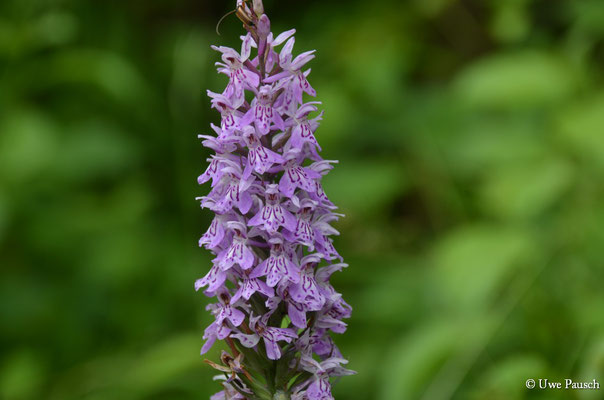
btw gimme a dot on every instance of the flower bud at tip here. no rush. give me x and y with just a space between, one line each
258 7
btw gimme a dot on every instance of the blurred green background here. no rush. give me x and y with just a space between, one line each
471 141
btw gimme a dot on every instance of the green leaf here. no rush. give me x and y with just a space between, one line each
504 380
526 190
473 263
511 22
21 376
581 128
108 71
28 144
162 362
486 142
365 186
516 80
415 362
282 375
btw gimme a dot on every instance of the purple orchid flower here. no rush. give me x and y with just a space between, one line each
306 290
233 66
304 128
319 387
228 110
273 214
295 78
259 158
231 190
214 331
214 279
277 266
295 310
270 335
271 235
213 172
296 176
224 310
303 232
262 113
249 286
239 252
215 233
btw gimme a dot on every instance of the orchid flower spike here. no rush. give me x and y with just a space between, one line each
271 235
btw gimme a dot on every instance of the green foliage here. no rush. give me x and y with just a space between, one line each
470 137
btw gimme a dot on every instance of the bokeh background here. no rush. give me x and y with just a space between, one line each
471 141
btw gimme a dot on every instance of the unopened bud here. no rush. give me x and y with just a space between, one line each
263 27
258 7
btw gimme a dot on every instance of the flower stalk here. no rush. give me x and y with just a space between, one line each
271 234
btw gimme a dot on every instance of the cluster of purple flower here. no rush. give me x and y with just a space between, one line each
271 230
